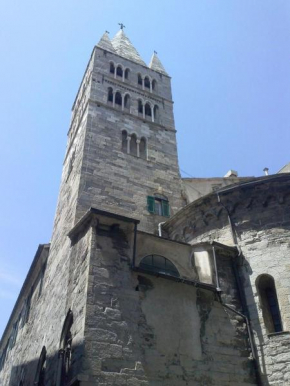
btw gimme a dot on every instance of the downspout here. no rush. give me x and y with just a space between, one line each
241 295
160 228
134 245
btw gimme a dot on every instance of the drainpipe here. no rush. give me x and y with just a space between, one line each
160 229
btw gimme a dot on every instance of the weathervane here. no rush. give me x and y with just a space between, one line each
107 32
155 52
122 26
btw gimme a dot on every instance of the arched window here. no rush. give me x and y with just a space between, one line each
112 68
118 99
127 101
124 141
159 264
148 111
154 85
127 71
140 79
119 71
147 82
65 351
110 95
140 107
143 148
156 113
269 303
39 379
133 145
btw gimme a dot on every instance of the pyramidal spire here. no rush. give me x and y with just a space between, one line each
124 47
156 65
105 43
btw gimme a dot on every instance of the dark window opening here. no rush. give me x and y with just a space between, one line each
110 95
156 113
118 99
133 145
127 73
154 85
269 303
119 71
124 141
112 68
159 206
140 79
127 101
159 264
65 353
148 111
140 107
146 82
143 148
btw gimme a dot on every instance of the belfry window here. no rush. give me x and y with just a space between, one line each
158 205
154 85
269 303
143 148
159 264
148 111
118 99
124 141
110 95
112 68
140 107
127 73
140 80
119 71
156 114
147 82
127 101
133 145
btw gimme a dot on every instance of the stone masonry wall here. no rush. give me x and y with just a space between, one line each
260 214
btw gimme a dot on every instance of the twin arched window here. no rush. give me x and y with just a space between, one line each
132 145
159 264
269 303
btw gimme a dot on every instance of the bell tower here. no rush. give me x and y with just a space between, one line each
122 155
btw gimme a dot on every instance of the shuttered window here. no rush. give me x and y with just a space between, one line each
159 206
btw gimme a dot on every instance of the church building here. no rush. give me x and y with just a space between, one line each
151 279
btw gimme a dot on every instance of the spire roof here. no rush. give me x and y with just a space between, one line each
123 47
105 43
156 65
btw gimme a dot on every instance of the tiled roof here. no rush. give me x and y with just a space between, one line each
156 65
105 43
124 47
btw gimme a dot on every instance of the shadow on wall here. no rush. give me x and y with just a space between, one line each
56 369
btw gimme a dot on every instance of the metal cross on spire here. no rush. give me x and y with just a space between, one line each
155 52
122 26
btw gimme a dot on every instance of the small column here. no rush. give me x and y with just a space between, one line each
150 86
143 110
128 143
143 84
138 149
152 113
123 76
115 72
123 102
114 95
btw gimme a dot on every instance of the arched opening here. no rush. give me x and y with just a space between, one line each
110 95
159 264
118 99
65 352
143 148
269 303
148 111
120 71
124 141
140 107
133 145
127 71
147 82
154 85
156 113
127 101
140 79
41 367
112 68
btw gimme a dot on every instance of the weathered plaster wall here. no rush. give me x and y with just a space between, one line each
260 214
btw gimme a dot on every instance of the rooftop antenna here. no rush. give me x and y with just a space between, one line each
122 26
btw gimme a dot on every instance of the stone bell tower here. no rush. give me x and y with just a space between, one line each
121 155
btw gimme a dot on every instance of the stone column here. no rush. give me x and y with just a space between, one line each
143 85
138 149
128 143
123 101
150 86
114 95
115 72
152 112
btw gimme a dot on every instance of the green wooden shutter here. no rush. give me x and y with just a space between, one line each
165 208
151 204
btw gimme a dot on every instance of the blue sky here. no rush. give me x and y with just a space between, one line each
230 67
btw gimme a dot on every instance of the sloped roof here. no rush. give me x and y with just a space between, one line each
124 48
105 43
156 65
